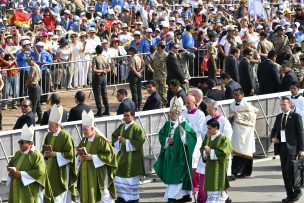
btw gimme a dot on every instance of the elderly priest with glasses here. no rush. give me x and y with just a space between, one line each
97 164
27 176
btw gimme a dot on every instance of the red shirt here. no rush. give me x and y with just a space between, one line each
49 22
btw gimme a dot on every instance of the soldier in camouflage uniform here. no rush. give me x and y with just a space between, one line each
185 57
160 71
301 79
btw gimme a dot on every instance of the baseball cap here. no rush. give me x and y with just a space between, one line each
149 30
26 42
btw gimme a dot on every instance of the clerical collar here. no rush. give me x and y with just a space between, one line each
128 125
192 111
214 136
217 116
91 139
295 97
25 152
56 133
238 103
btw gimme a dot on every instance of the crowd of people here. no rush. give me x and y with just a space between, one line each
259 45
255 48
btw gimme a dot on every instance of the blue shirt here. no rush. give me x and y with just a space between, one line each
145 44
74 26
187 41
132 44
55 9
102 7
21 59
121 3
45 57
65 24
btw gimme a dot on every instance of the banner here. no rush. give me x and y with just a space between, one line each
20 18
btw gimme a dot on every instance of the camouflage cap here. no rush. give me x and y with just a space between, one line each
162 43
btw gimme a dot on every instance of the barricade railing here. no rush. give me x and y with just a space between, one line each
62 76
152 122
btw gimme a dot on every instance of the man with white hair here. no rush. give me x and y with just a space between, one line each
195 118
199 101
97 164
27 177
225 129
58 149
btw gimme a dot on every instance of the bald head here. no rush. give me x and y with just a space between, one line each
190 102
198 95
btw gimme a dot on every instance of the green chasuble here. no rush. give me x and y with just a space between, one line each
130 164
216 170
33 164
171 166
62 143
91 180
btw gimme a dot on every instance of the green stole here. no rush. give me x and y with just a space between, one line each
14 181
216 170
171 166
130 164
84 172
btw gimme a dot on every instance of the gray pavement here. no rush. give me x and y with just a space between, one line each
265 185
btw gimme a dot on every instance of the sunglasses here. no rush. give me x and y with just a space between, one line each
74 36
22 142
175 47
25 106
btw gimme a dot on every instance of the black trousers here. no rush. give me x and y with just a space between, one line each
45 84
99 83
241 166
286 167
23 79
135 87
35 95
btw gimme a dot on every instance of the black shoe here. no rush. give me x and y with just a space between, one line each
119 200
170 200
228 200
98 114
105 113
297 195
231 178
241 176
185 198
287 200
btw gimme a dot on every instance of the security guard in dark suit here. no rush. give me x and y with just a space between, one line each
288 138
34 89
100 68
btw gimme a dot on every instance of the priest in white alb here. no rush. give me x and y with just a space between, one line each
243 142
195 118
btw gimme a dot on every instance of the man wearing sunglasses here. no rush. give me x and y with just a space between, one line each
27 172
28 117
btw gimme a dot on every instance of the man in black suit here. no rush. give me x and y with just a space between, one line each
268 75
125 103
174 69
154 100
230 85
76 112
175 90
54 99
28 116
232 64
289 76
288 138
246 75
212 92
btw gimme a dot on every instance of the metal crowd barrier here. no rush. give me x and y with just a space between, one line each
57 77
151 121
